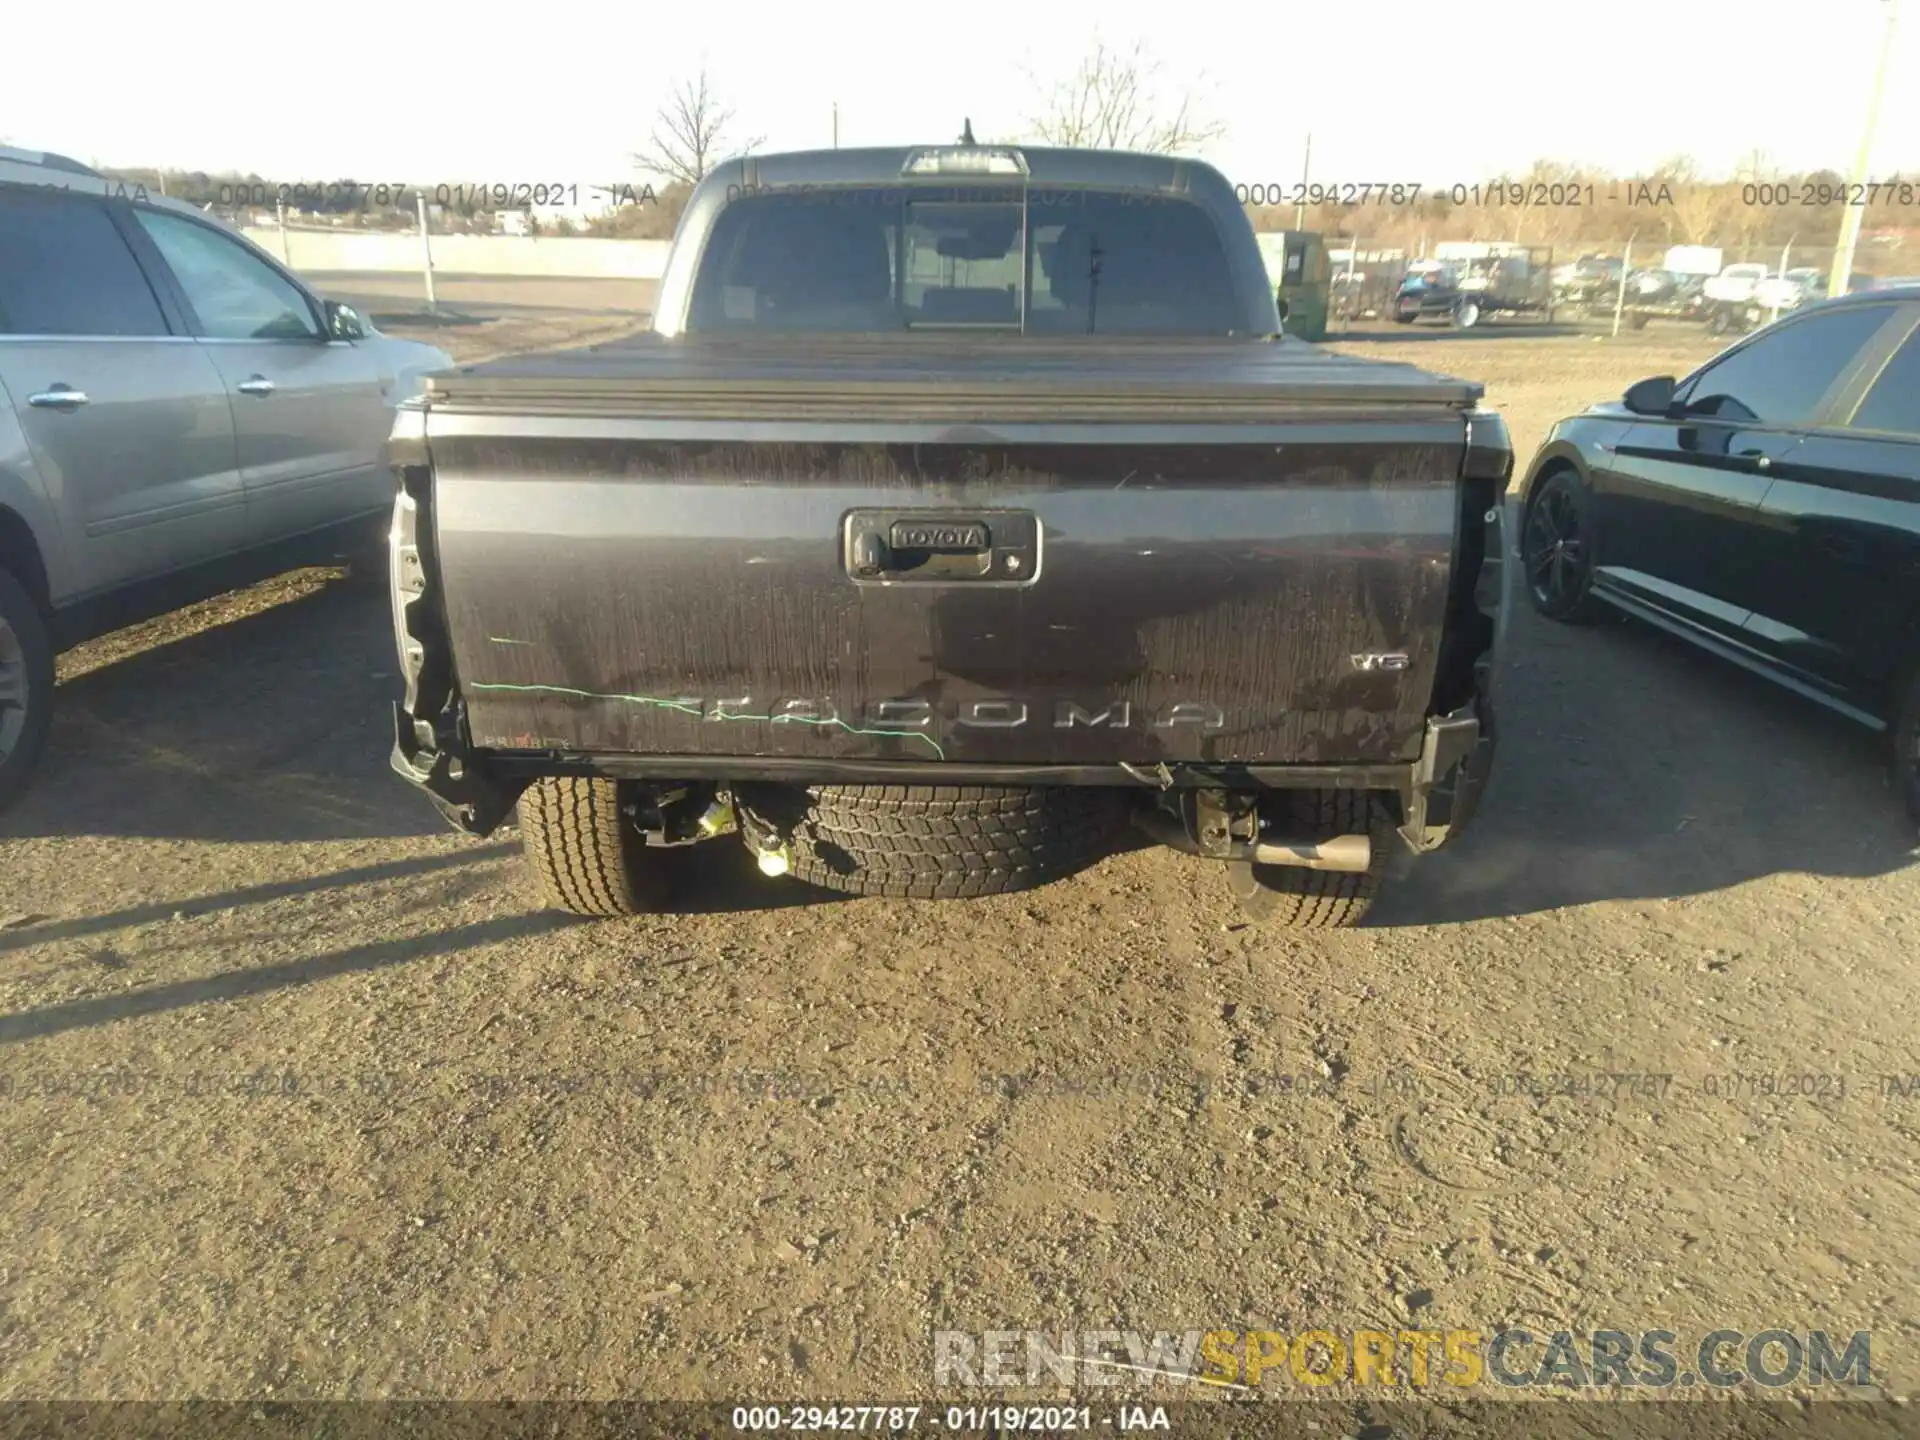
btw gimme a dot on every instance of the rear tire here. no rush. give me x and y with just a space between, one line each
1297 898
585 855
938 842
26 687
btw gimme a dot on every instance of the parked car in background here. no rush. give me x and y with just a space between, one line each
1646 292
178 415
1745 296
1473 281
1766 507
1428 290
1735 284
1652 285
1730 300
1587 280
1653 294
1785 292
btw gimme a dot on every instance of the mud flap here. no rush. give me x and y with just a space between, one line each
1456 759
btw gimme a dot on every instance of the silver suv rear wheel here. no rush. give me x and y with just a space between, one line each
26 687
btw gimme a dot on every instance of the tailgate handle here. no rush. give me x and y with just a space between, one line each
942 548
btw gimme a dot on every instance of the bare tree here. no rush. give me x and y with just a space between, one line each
690 135
1111 102
1555 222
1702 211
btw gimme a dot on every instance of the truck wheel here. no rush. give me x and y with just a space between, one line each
1288 895
1636 322
1719 322
26 687
587 858
936 842
1556 549
1466 314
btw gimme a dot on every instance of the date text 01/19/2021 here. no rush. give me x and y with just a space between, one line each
355 195
959 1419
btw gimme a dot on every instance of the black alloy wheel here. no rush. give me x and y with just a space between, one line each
1557 549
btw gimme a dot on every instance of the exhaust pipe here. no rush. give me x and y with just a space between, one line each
1350 854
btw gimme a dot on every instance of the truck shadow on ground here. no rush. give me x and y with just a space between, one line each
1632 766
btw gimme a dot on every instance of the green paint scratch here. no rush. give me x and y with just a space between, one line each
694 710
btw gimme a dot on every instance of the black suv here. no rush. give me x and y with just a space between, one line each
1767 507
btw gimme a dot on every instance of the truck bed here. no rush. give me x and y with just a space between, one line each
1216 551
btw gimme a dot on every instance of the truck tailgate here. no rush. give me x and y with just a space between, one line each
1013 551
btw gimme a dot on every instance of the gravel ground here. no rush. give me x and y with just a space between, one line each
304 1099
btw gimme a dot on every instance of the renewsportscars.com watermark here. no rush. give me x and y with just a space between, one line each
1513 1359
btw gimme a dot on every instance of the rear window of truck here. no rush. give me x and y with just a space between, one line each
979 257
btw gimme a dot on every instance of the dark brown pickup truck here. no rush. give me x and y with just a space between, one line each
964 507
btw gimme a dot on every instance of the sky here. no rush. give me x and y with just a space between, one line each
1427 93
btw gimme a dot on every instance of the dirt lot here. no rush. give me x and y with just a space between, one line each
303 1099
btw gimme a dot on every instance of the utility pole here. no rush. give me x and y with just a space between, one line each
1620 295
1850 215
836 124
1306 171
426 251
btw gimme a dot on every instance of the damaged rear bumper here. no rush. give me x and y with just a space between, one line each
1438 793
467 794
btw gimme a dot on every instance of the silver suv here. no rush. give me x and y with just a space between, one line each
178 415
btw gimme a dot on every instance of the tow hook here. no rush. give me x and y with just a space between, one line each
771 850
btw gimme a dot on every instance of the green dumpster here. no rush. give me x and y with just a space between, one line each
1302 280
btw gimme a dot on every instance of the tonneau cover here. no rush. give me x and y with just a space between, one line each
945 375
